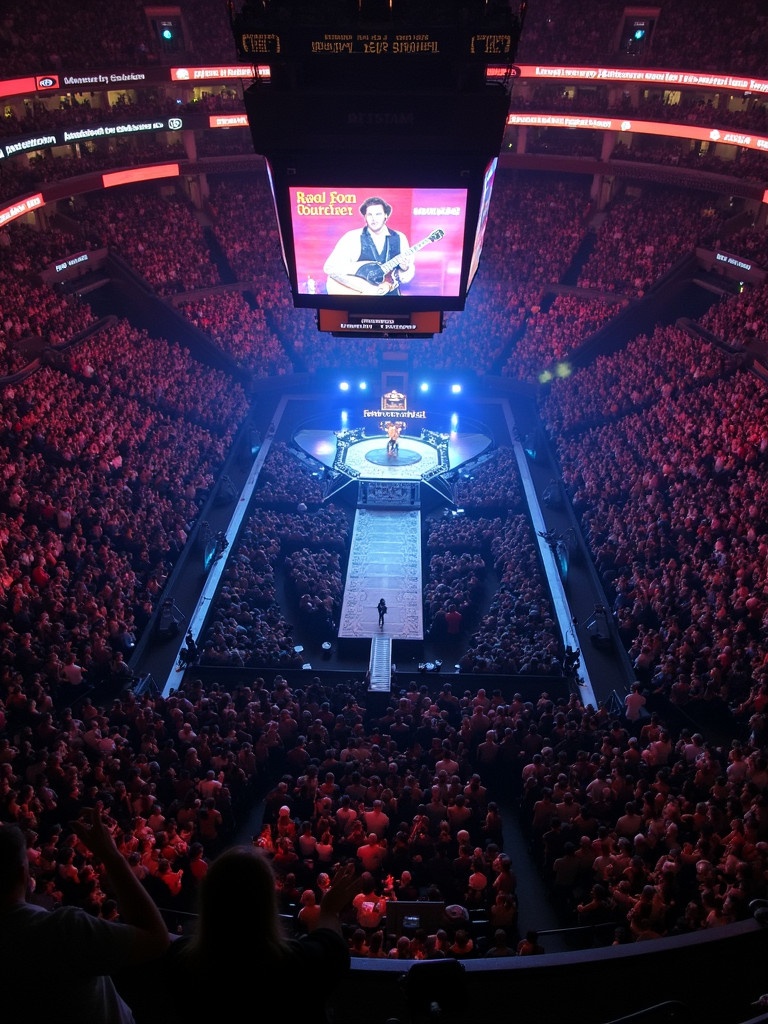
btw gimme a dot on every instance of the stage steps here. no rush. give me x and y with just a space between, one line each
389 494
380 664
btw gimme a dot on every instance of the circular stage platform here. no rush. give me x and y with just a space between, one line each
400 457
367 457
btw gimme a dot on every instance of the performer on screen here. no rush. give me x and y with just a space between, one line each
374 260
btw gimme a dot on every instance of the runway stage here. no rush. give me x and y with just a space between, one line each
385 552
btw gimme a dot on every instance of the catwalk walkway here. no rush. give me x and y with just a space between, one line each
384 561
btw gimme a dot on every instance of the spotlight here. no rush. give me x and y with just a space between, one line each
454 421
423 387
363 385
455 389
344 416
344 385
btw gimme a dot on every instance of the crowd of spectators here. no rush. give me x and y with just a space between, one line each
740 320
172 256
621 383
741 163
555 331
641 237
748 113
635 829
129 359
33 312
284 578
491 484
284 480
398 793
106 459
641 832
670 489
108 453
686 35
240 330
518 263
748 242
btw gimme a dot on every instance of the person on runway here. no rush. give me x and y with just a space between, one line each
381 608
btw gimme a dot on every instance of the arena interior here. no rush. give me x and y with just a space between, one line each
559 492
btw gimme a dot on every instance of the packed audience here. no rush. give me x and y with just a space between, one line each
108 453
638 823
740 320
554 332
620 383
503 619
34 315
689 35
248 625
751 115
639 832
173 257
640 239
240 330
684 35
670 488
745 163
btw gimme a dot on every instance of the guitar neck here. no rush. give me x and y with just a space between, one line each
391 264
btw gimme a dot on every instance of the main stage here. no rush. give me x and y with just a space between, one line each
391 469
363 456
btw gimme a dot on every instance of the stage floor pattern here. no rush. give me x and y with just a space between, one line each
368 456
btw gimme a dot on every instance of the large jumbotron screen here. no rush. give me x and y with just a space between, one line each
327 232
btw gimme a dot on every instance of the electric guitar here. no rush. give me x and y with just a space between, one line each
366 278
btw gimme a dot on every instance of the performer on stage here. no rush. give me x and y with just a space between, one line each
393 444
381 608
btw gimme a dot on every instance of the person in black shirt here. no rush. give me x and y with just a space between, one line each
373 261
238 932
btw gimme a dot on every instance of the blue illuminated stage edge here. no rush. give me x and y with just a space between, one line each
363 456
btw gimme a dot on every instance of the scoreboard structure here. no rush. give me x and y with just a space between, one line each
385 101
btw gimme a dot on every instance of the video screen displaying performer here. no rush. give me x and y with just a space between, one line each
405 241
372 260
